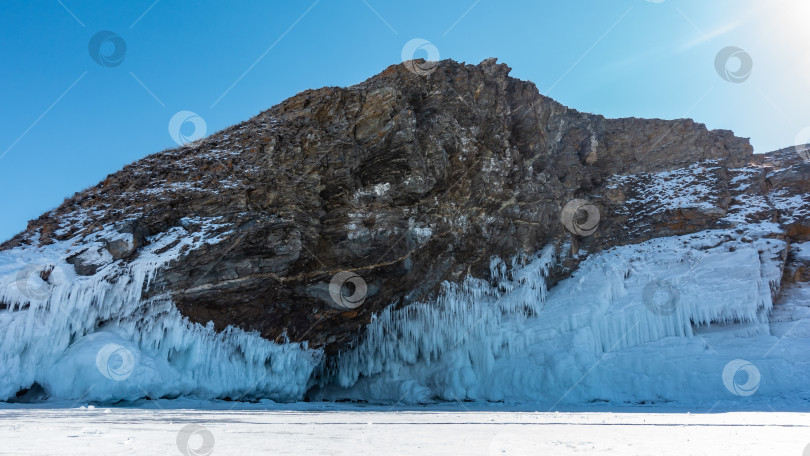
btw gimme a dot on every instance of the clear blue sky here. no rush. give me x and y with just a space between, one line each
68 121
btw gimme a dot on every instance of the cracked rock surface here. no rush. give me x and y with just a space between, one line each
407 181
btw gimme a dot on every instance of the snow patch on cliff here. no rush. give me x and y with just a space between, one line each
669 190
802 251
793 208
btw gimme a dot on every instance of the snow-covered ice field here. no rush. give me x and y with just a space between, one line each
356 430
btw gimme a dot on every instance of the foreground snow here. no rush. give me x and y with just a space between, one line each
353 430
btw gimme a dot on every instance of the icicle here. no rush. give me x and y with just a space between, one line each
49 334
513 338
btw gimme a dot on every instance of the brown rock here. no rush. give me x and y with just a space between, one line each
406 181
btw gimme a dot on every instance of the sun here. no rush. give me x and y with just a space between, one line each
789 19
783 37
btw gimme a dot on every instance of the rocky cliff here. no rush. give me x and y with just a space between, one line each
407 181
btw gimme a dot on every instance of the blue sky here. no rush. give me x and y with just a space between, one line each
68 121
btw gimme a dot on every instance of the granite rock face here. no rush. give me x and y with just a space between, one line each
408 180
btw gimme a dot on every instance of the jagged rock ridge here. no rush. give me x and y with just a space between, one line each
408 180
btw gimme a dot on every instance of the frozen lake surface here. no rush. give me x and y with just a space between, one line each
222 428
